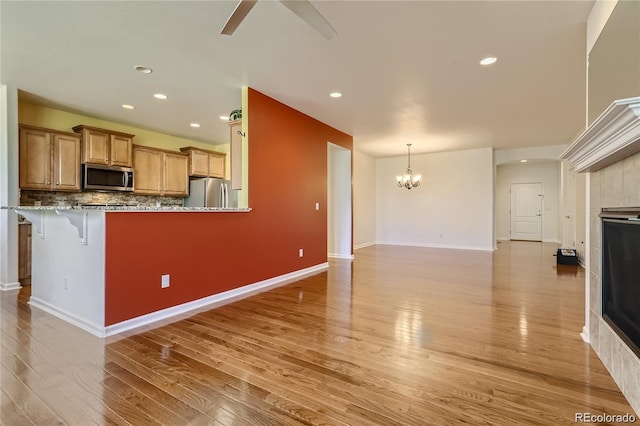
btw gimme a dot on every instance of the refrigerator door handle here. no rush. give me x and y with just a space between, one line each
226 195
221 196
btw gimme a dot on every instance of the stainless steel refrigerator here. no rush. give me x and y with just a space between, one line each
211 192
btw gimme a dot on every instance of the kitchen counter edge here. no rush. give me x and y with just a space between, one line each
125 209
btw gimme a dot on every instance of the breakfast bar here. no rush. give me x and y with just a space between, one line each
103 267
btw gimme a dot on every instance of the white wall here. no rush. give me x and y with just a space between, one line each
8 187
452 208
546 172
60 254
338 201
598 17
364 200
547 152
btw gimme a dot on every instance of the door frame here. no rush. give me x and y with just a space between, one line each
339 202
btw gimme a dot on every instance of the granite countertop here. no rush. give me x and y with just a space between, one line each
119 208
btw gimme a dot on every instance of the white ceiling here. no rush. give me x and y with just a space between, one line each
409 71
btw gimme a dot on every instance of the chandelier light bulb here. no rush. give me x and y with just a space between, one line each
408 180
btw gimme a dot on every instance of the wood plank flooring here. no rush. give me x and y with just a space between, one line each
399 336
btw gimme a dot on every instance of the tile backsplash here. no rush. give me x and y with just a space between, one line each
56 198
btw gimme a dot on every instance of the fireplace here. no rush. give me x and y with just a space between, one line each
621 275
609 149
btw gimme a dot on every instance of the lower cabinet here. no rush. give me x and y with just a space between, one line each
160 172
24 253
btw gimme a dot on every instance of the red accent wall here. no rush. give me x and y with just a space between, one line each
208 253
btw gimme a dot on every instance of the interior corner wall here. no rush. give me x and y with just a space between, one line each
364 200
452 208
548 173
288 176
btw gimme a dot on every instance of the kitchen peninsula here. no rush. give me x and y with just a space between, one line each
93 265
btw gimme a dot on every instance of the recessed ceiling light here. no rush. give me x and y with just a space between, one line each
523 161
127 106
142 69
335 94
488 60
194 125
160 96
224 117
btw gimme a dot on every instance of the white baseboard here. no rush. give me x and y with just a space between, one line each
95 329
432 245
363 245
209 301
340 256
585 334
503 238
9 286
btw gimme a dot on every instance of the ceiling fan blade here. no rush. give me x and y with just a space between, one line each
240 12
305 10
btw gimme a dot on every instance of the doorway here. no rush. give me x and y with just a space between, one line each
339 202
526 211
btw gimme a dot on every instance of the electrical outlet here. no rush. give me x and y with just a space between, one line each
317 206
67 285
166 280
300 252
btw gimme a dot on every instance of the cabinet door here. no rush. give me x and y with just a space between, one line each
35 159
147 175
236 154
216 165
95 147
24 251
121 151
176 174
66 157
198 163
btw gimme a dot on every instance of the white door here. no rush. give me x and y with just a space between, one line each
526 211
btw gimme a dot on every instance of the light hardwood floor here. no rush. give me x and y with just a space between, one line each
399 336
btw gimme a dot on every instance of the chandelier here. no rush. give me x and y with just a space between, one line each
408 180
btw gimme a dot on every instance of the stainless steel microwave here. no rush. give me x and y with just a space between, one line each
106 178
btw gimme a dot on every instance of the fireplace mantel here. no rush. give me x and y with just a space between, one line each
615 134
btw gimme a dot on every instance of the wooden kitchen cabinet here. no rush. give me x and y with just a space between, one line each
235 149
216 165
160 172
107 147
24 253
176 174
205 163
147 170
49 159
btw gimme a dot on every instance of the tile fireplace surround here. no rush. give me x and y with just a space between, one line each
610 150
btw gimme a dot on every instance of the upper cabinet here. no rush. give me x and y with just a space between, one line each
160 172
101 146
235 142
49 159
205 163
